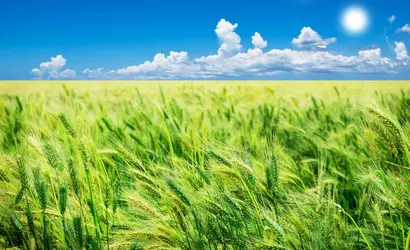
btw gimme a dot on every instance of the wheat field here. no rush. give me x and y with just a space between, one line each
204 165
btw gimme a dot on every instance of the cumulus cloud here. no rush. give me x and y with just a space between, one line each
230 41
401 51
288 60
310 38
255 62
405 28
53 69
175 65
231 61
258 41
392 19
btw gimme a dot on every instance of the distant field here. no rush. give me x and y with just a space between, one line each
353 89
205 165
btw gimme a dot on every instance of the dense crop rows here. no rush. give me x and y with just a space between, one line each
204 169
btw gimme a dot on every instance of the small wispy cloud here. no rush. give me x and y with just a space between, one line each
392 19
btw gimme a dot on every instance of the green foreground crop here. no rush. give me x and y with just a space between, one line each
234 167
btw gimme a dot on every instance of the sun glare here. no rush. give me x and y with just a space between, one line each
355 20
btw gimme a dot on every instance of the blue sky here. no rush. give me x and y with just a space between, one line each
113 39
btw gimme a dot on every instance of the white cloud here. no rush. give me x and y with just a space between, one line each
371 55
65 74
230 41
405 28
392 19
53 69
310 38
258 41
255 62
162 66
401 51
93 73
231 61
174 66
371 61
288 60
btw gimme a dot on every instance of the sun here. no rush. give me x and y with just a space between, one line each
355 20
